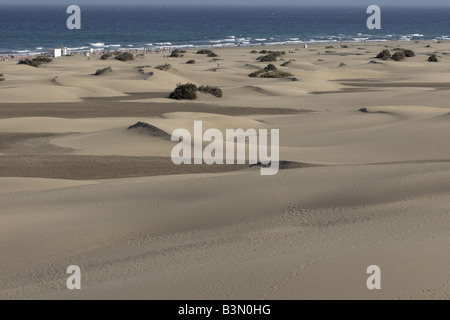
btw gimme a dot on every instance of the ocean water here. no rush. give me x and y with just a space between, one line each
34 29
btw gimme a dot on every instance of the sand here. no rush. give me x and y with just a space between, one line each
368 183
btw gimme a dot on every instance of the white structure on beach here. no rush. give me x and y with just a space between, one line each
64 51
55 53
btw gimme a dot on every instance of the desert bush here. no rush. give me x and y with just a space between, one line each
433 58
163 67
345 46
270 71
141 67
36 62
2 77
204 51
398 56
215 91
284 64
106 56
385 54
267 58
186 91
102 71
125 56
254 51
271 56
263 52
408 53
329 47
177 53
212 55
275 74
191 62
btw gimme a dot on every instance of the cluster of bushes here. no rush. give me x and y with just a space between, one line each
270 56
433 58
189 90
284 64
106 56
102 71
177 53
164 67
190 62
399 54
208 52
36 62
125 56
215 91
186 91
271 71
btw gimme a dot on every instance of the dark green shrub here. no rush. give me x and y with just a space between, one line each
102 71
270 71
204 51
177 53
275 74
35 62
212 55
254 51
409 53
284 64
215 91
270 67
163 67
398 56
191 62
385 54
125 56
2 78
433 58
267 58
186 91
106 56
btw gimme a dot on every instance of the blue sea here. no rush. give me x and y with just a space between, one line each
34 29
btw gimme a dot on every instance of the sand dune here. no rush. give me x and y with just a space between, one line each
368 183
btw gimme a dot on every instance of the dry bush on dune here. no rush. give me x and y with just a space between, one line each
102 71
215 91
186 91
204 51
125 56
36 62
398 56
271 71
106 56
190 62
163 67
287 63
271 56
177 53
385 54
433 58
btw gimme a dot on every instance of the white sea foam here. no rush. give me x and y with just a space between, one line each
98 44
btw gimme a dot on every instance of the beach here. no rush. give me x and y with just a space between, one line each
366 140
